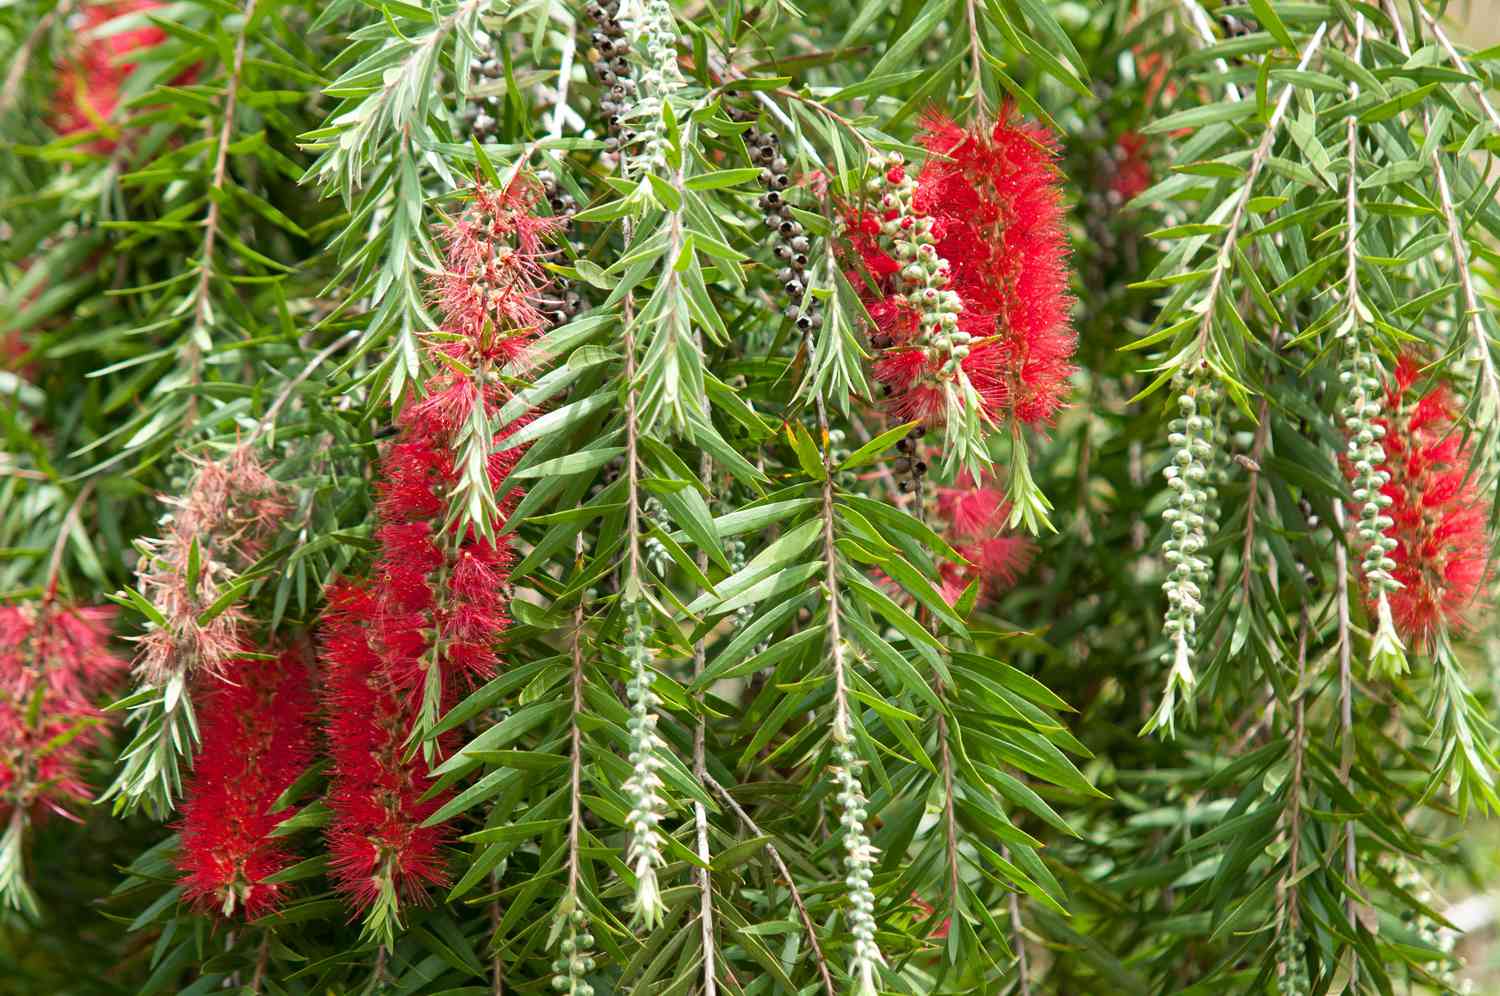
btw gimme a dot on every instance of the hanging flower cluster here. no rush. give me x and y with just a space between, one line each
976 515
257 724
216 530
54 663
1437 510
91 79
426 622
985 216
381 851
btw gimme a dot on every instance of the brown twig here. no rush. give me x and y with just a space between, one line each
791 884
22 57
54 564
202 307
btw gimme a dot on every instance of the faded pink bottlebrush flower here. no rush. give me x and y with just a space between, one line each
230 510
1440 515
54 662
257 721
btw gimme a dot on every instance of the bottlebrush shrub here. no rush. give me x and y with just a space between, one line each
1438 509
616 367
257 720
55 662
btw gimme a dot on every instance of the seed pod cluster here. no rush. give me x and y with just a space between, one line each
563 302
611 68
909 467
792 247
479 113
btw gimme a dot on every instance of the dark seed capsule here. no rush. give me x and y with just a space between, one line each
800 244
766 178
781 181
799 260
765 154
902 465
920 467
788 228
782 252
600 39
907 486
620 65
817 320
880 341
594 11
601 69
903 444
917 432
794 288
804 322
775 199
790 311
785 274
779 164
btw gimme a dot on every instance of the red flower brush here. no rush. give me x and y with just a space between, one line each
1439 514
994 202
54 662
257 725
975 517
379 845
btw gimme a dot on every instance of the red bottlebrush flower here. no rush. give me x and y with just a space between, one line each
53 662
376 836
995 200
257 725
1442 550
1132 167
928 911
975 516
429 618
91 79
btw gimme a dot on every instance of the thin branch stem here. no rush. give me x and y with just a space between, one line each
1247 186
1204 27
202 306
70 519
269 419
1460 64
22 57
262 959
1346 716
1018 939
575 821
786 874
700 770
976 57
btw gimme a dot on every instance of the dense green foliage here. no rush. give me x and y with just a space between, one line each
1128 773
